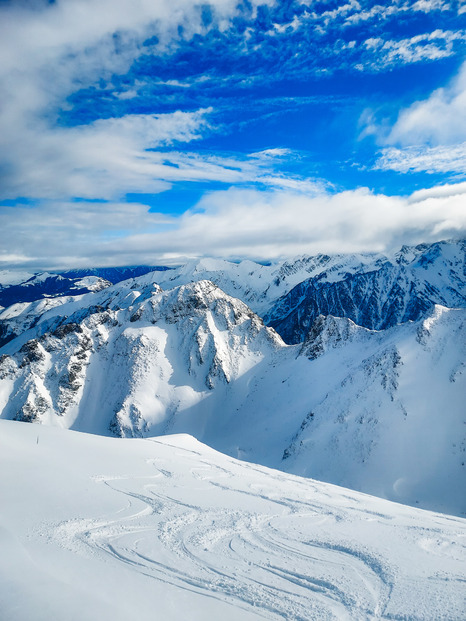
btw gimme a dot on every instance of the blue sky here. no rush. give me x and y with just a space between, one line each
134 131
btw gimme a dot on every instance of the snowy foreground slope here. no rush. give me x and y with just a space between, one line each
166 528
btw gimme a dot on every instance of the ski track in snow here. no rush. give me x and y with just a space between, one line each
266 553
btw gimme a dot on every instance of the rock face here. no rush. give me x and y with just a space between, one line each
395 292
329 332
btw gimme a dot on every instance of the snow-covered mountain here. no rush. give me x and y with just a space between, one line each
106 529
260 286
389 415
20 286
392 291
24 287
113 274
131 361
381 412
373 290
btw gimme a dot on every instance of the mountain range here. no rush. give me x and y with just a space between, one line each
355 376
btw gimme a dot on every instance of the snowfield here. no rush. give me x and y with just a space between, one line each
166 528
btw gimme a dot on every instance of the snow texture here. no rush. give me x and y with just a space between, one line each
107 529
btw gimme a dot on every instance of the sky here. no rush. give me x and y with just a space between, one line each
153 131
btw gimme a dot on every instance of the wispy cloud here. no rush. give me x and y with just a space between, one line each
49 52
103 159
104 98
429 46
441 159
390 9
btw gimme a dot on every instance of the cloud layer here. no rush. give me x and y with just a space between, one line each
234 223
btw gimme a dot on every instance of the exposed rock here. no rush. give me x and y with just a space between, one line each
32 351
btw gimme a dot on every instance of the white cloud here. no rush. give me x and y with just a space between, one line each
442 159
272 153
48 52
389 9
440 119
428 136
67 233
353 13
430 5
429 46
440 191
110 158
234 223
104 159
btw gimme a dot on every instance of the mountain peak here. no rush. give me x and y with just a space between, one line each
328 332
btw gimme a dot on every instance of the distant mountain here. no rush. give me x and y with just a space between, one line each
260 286
393 291
373 290
381 412
45 285
114 274
27 287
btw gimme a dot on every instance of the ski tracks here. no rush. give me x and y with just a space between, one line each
238 534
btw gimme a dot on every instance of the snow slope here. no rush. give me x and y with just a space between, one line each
389 418
107 529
